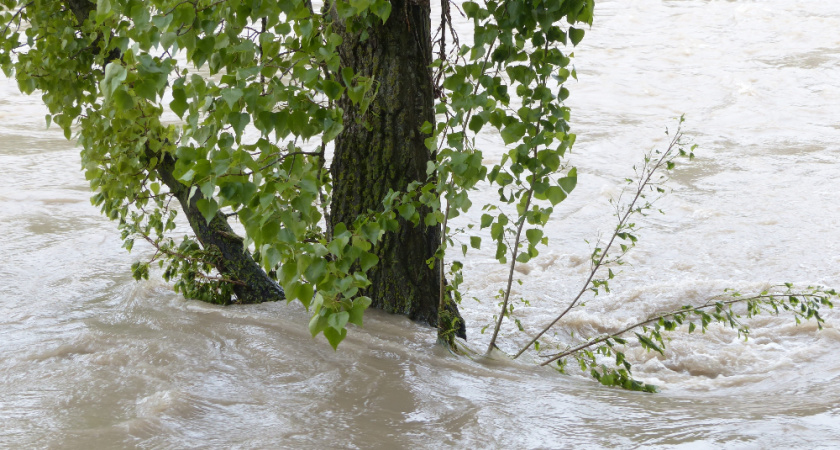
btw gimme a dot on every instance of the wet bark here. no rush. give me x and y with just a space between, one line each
382 150
385 150
252 284
81 8
235 262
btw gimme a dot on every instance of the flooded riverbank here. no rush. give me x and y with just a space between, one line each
91 359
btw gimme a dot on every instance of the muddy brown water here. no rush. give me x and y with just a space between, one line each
91 359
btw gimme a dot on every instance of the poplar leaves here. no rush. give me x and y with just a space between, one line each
114 76
240 98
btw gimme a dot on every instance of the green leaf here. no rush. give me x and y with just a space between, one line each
371 231
298 121
332 129
382 9
569 182
475 242
360 304
407 211
338 320
316 270
576 35
146 88
167 39
238 121
347 75
335 337
208 208
534 235
555 195
272 256
317 324
103 10
303 292
179 103
333 89
368 260
114 76
497 231
123 100
476 123
513 132
647 343
231 96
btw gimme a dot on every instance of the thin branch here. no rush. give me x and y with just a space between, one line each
441 299
282 158
169 252
179 4
172 253
222 279
12 19
523 220
665 155
210 5
515 251
322 194
683 310
467 117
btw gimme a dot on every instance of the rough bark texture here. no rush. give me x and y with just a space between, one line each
385 150
235 263
81 8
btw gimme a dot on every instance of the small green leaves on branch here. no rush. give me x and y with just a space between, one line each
729 310
650 178
510 81
226 109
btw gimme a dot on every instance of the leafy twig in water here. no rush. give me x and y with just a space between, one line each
600 255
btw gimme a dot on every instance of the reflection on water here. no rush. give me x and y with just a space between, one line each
89 357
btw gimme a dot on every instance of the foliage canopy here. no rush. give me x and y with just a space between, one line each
255 85
231 107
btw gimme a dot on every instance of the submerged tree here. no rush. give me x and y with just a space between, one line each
340 136
318 151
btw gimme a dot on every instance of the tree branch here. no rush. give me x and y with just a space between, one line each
681 311
622 221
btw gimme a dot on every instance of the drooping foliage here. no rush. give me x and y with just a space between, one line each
231 110
229 107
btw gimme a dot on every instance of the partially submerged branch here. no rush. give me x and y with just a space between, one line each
514 254
235 262
599 256
801 304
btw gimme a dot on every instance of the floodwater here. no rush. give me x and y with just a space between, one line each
91 359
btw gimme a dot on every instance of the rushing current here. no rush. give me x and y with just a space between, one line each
90 358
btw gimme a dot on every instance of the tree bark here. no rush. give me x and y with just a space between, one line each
252 285
381 151
235 262
385 150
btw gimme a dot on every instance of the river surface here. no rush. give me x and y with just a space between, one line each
91 359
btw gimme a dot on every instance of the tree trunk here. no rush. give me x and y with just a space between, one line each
385 150
381 151
252 284
235 262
